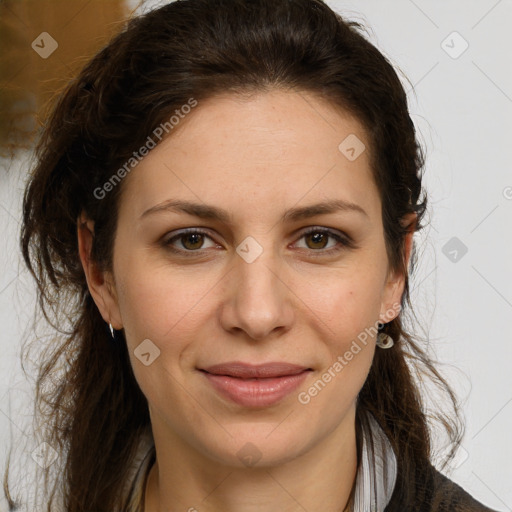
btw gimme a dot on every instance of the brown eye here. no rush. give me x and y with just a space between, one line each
318 240
192 240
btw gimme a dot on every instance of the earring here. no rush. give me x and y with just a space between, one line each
384 340
112 331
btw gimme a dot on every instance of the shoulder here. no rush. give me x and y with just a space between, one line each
447 496
435 492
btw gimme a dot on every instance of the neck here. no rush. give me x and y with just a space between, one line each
320 479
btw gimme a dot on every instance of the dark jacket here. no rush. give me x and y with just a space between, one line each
449 496
439 495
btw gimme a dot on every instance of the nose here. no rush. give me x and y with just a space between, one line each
257 302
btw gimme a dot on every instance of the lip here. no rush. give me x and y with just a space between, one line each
255 371
255 385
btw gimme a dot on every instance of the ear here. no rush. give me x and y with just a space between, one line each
101 284
395 283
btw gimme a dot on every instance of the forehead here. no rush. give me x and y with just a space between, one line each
269 149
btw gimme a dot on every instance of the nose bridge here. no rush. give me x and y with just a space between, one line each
257 270
260 276
259 301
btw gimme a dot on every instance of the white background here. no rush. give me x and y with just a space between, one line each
462 108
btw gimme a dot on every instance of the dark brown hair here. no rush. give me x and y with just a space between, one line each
94 412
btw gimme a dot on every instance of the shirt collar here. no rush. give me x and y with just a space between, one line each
376 476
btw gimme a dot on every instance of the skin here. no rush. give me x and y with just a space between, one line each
255 157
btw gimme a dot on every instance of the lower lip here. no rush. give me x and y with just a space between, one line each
256 392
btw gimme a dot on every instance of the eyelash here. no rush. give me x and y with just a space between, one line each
345 241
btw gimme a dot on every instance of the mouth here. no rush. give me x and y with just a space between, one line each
255 386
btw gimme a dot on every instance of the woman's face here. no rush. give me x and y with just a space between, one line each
253 286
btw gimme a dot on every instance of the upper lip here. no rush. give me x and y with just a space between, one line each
249 371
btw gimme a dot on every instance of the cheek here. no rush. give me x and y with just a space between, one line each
161 305
346 312
169 312
348 352
346 303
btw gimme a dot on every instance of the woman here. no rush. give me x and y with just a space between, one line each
224 204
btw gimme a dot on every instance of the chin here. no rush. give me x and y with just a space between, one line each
255 448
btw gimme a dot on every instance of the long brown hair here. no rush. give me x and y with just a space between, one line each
94 412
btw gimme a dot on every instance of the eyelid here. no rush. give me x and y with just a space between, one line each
166 240
345 240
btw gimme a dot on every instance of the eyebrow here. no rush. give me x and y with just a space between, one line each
205 211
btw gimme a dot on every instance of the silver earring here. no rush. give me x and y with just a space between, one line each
111 331
384 340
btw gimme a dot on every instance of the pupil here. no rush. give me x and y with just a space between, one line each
317 238
193 238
